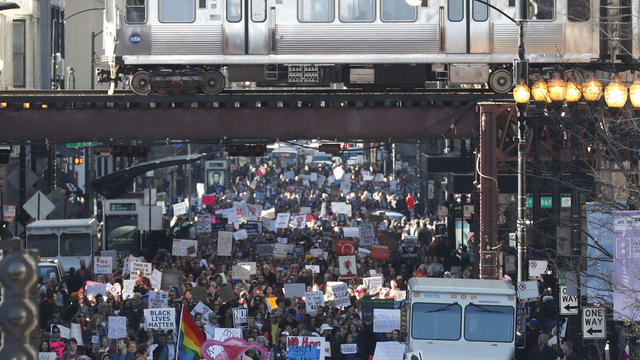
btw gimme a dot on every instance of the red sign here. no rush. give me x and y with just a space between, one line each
379 252
57 347
346 247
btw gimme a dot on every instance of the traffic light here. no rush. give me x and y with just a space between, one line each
78 160
18 313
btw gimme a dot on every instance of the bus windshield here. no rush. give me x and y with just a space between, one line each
45 244
284 159
489 323
436 321
76 244
122 233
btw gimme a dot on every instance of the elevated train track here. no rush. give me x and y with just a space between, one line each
59 116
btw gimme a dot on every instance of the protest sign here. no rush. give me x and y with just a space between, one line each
373 284
369 303
250 266
351 232
283 240
303 353
240 315
253 228
349 349
379 252
102 265
305 210
47 355
341 296
113 254
128 260
282 220
208 200
225 240
179 208
386 320
416 355
240 235
127 288
227 293
317 342
76 333
315 252
341 208
240 273
202 309
346 247
315 269
160 319
314 301
156 279
280 251
299 222
265 249
137 265
183 247
203 225
367 235
294 290
251 211
170 277
389 350
95 289
65 332
348 266
117 327
158 299
269 214
57 347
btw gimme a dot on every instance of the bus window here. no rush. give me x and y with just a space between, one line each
76 244
436 321
122 232
490 323
46 244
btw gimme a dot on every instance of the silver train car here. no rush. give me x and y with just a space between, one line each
204 45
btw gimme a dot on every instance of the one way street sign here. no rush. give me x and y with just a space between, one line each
568 304
594 325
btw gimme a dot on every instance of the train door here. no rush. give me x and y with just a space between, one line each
466 27
246 27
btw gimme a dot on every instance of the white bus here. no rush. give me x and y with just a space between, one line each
68 240
457 319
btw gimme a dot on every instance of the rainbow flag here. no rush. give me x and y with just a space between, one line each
191 338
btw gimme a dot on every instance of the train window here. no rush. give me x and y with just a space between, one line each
480 11
540 9
455 10
234 10
315 10
398 10
258 10
177 11
136 12
579 10
357 10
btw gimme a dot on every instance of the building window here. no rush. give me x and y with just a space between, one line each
19 56
540 9
234 10
136 12
579 10
177 11
398 10
357 10
455 10
315 10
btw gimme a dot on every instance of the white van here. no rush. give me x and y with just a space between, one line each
68 240
457 319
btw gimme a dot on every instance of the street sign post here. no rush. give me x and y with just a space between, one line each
568 303
594 325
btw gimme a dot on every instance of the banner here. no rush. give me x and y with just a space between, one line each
117 327
102 265
282 220
160 319
137 265
158 299
626 265
314 300
182 247
203 225
341 296
225 241
294 290
240 317
386 320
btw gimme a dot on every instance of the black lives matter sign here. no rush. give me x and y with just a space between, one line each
160 319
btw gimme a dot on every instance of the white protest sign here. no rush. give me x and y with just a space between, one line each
386 320
282 220
240 273
184 247
95 289
203 225
299 222
315 269
341 208
202 309
225 241
379 178
179 208
314 300
251 211
280 251
250 266
537 268
47 355
373 284
416 355
128 260
156 279
117 327
594 325
341 296
528 291
294 290
102 265
240 235
351 232
240 316
305 210
127 288
76 333
282 240
65 332
389 350
160 319
158 299
137 265
349 349
568 303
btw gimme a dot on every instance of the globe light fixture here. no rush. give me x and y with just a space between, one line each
574 92
521 93
634 93
557 88
540 91
592 89
615 94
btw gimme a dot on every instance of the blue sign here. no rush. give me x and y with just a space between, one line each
302 353
135 38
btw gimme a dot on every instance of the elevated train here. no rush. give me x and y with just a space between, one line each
203 45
